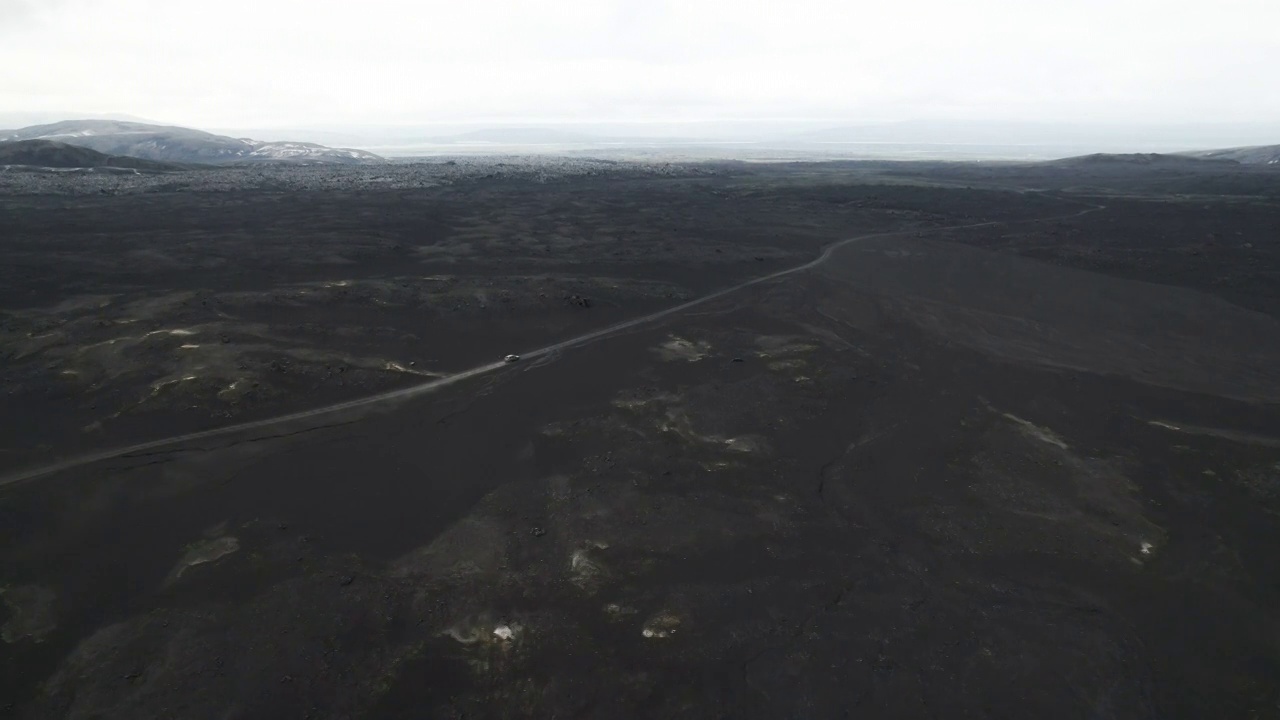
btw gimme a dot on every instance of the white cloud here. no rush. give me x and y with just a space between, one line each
241 62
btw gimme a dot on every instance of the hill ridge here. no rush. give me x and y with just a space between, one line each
60 155
176 144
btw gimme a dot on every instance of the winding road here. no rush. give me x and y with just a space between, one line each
543 352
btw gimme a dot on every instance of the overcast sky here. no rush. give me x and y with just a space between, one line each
294 62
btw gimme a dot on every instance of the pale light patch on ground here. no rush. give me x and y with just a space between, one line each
717 465
662 625
30 613
397 367
585 569
476 630
1145 551
640 403
617 611
230 390
674 418
112 341
779 342
745 444
630 404
776 346
555 429
781 354
464 634
678 348
159 385
678 422
204 552
1234 436
507 633
1035 431
1263 483
1073 505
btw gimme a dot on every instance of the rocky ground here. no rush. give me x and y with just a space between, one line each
1025 469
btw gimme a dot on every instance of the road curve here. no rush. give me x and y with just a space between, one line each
433 385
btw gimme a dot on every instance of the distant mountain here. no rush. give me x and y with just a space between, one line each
183 145
50 154
521 136
24 118
1257 155
1089 137
1145 159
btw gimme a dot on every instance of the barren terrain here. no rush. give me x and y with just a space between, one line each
786 440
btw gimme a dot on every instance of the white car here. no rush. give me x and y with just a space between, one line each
511 358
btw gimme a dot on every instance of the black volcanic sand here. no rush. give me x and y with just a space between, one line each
159 312
933 477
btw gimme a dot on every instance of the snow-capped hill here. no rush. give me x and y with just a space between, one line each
183 145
